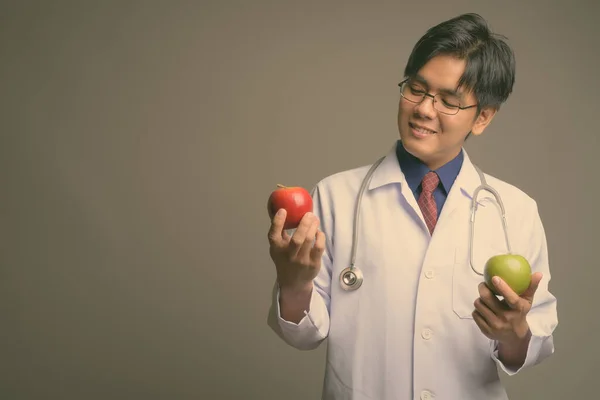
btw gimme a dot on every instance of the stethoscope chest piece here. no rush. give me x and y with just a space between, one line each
351 279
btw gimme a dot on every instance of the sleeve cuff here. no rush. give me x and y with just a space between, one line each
315 317
311 330
539 348
532 349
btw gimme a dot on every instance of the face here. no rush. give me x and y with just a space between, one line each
433 137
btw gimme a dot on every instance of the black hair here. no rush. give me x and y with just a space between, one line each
490 62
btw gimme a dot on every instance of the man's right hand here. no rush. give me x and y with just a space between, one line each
297 258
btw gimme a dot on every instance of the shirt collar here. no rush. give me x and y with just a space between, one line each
390 172
414 169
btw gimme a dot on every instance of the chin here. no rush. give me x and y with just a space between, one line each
420 148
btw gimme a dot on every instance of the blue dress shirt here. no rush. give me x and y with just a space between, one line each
414 170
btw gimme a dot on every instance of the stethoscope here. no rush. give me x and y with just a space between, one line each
351 278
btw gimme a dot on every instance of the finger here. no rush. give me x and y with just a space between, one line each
484 311
482 324
490 299
304 251
510 297
535 283
276 232
318 249
299 236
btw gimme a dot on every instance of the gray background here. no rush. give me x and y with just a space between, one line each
141 140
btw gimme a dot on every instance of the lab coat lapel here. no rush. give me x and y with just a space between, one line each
461 192
460 195
389 171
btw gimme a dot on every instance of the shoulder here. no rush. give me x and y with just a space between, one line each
341 183
525 223
513 197
336 194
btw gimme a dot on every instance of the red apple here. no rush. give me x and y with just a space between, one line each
296 201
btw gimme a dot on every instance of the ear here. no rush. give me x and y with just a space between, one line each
483 120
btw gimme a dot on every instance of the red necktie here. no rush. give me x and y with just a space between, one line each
427 202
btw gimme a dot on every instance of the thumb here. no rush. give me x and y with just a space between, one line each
535 283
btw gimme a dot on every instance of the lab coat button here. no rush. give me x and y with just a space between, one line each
426 395
429 274
426 334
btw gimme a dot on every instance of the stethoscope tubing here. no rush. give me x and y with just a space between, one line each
351 278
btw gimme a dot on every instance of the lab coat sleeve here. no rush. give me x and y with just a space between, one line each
542 317
313 329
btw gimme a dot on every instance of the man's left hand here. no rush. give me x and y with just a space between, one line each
504 321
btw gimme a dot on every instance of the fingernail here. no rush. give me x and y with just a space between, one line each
496 280
280 212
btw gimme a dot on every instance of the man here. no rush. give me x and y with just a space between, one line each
423 324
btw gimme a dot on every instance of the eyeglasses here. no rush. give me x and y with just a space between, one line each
444 103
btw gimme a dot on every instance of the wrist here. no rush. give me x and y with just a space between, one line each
294 291
294 301
513 352
521 339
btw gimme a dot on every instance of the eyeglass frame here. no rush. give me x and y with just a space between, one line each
427 94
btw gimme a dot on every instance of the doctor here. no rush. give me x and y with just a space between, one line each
422 325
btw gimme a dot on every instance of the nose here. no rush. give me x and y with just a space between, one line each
425 108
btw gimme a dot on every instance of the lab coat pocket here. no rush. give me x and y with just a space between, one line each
466 279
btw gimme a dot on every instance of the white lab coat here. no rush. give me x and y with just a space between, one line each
408 333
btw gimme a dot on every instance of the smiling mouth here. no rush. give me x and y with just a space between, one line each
421 130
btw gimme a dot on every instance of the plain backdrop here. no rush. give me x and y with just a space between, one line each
140 140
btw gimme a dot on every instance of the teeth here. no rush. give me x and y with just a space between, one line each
423 130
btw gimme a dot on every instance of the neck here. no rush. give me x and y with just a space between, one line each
436 163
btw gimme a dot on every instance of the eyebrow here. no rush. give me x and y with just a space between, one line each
453 92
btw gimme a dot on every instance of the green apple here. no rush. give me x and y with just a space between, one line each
514 269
